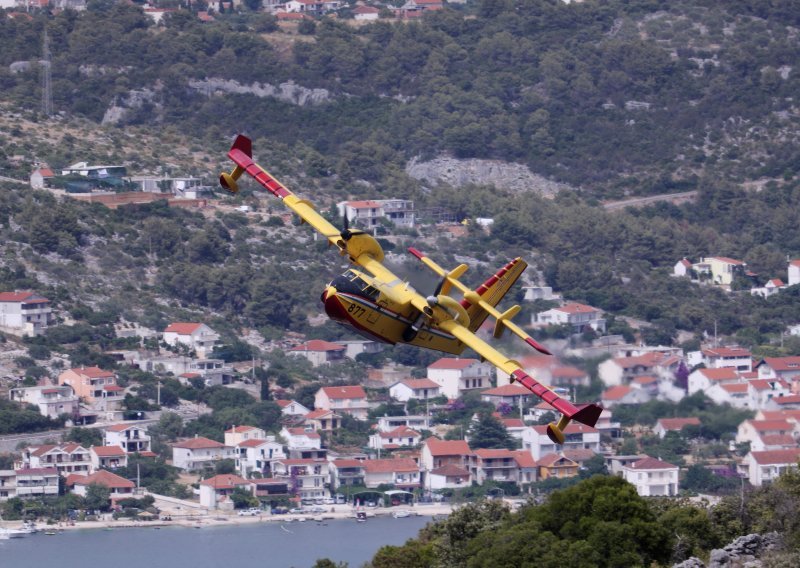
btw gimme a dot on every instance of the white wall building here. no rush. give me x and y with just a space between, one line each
652 477
198 453
25 313
196 336
51 400
457 376
765 467
419 389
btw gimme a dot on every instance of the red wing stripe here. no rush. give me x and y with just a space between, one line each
416 253
268 182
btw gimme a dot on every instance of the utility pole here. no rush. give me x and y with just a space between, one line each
47 77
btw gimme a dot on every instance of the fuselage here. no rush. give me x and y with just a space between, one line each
382 311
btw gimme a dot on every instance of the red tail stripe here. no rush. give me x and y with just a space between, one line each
268 182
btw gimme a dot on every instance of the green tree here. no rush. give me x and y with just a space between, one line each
98 497
489 432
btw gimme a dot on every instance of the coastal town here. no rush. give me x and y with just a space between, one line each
397 439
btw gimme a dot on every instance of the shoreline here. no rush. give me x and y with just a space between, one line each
223 519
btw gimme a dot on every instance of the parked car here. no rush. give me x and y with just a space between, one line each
251 512
279 510
318 509
298 510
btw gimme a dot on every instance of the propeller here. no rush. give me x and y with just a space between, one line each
433 299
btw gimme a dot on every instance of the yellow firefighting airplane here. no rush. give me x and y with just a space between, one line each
381 306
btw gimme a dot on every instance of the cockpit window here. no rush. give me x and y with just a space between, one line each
351 282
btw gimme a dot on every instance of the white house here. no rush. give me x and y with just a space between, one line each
215 491
514 395
763 391
346 472
415 422
198 453
502 465
772 287
767 466
107 457
66 458
119 487
403 473
52 401
753 431
350 400
365 13
400 437
130 437
238 434
257 455
622 370
292 408
322 420
319 352
784 368
447 477
196 336
623 394
703 379
24 313
576 437
437 453
652 477
457 376
301 438
36 482
721 357
420 389
579 316
735 394
308 478
681 268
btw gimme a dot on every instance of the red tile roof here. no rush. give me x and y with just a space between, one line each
182 328
645 380
726 352
508 390
319 413
121 427
225 481
776 457
318 345
451 470
400 432
616 393
735 388
24 297
302 432
364 204
37 471
778 440
452 363
439 447
788 399
524 458
567 372
92 372
108 451
341 393
491 453
783 363
198 444
252 443
107 479
550 459
576 308
771 425
390 465
725 259
512 422
240 429
420 384
677 423
651 463
723 374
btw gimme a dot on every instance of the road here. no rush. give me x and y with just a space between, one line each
675 198
13 180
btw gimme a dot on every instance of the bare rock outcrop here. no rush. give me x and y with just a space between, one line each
744 552
516 178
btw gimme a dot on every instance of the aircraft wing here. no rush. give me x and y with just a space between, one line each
242 155
586 414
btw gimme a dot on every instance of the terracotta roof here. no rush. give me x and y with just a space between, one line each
764 384
302 461
400 431
107 479
283 403
776 282
107 451
41 450
616 393
365 10
189 375
252 443
182 328
783 363
778 440
240 429
439 447
770 425
723 374
225 481
363 204
776 457
450 470
788 399
452 363
726 352
198 443
348 463
550 459
651 463
112 388
645 380
579 455
524 458
340 393
725 259
92 372
24 297
419 384
677 423
318 345
302 432
512 422
735 388
567 372
508 390
491 453
122 427
319 413
390 465
576 308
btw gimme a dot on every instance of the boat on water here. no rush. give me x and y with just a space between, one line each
401 513
6 533
361 517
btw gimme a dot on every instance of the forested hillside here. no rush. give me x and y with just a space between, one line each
616 98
